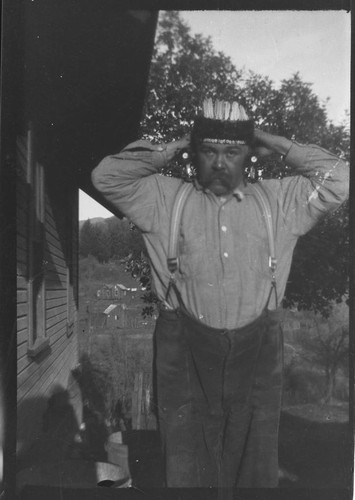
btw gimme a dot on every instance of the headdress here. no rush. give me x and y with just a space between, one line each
223 122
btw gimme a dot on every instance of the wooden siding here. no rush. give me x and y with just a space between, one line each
39 375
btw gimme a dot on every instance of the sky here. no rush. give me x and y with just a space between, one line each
280 43
276 44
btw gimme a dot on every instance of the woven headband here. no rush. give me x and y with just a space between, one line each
225 132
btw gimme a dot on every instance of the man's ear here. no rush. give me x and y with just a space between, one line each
193 151
250 153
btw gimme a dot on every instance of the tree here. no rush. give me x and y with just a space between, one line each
124 239
184 70
319 275
328 346
94 240
101 243
293 111
86 239
118 233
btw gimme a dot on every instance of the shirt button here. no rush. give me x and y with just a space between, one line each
225 254
224 228
222 199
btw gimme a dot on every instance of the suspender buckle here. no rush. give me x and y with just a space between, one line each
272 263
172 264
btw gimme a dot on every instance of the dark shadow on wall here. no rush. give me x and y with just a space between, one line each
144 447
56 430
96 432
65 449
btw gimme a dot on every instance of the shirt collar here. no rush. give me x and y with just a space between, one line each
239 192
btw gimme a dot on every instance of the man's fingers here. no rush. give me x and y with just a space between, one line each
185 141
262 151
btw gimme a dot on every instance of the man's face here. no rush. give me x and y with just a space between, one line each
220 167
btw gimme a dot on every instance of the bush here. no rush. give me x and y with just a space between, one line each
111 363
302 385
341 389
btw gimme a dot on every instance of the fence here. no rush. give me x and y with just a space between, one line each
142 415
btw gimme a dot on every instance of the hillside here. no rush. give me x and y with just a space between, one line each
95 220
93 274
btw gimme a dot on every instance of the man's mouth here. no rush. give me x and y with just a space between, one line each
220 179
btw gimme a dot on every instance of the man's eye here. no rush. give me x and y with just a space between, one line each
232 153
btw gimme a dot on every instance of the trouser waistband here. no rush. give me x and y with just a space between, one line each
181 313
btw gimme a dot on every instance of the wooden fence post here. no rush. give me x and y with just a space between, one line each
137 399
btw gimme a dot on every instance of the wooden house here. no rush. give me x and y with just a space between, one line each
118 292
126 317
104 292
73 92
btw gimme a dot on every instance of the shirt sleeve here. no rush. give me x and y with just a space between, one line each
131 182
320 184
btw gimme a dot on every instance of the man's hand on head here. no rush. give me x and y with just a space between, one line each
266 144
173 148
261 145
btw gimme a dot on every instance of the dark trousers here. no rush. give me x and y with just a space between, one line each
219 399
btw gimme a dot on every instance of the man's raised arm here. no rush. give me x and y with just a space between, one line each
130 180
320 181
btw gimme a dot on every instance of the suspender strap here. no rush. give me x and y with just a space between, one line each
176 214
264 204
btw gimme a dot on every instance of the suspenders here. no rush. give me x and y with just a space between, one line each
173 254
264 204
179 204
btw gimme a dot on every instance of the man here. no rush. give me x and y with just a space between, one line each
218 341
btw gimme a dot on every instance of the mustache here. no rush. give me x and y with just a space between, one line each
222 177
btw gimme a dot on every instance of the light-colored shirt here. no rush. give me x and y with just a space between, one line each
223 275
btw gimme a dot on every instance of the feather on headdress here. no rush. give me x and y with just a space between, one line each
224 122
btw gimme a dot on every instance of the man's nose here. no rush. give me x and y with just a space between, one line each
219 163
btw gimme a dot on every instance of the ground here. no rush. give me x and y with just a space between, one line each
314 450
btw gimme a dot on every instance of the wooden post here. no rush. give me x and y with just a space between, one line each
137 401
90 334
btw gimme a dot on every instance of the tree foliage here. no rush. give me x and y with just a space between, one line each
86 238
111 239
94 240
320 271
327 345
125 240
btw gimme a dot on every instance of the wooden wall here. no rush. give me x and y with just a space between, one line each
47 367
